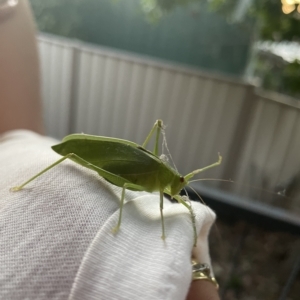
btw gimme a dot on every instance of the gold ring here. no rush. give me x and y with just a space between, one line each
201 271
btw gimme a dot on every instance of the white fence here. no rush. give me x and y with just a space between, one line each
105 92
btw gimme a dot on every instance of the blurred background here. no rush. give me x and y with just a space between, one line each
224 75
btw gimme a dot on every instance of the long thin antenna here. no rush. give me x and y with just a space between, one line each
213 179
242 184
197 194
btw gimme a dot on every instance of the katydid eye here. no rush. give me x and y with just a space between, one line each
181 179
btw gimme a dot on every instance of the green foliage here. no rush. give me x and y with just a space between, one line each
290 78
58 17
278 75
154 10
65 17
181 36
88 20
273 23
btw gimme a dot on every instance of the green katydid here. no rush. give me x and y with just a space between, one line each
127 165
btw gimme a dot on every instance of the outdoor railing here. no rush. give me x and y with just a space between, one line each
112 93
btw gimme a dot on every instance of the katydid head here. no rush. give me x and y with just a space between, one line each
177 185
179 182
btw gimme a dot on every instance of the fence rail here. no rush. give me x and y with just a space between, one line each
105 92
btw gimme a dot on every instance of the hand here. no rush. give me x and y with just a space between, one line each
202 290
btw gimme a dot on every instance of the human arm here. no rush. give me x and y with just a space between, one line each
20 99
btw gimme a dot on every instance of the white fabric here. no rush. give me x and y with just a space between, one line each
56 240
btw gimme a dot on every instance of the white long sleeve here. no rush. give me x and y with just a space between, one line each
56 238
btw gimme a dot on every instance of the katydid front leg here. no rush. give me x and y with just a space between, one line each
192 174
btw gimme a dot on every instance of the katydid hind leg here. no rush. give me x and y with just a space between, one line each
17 188
115 179
156 127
